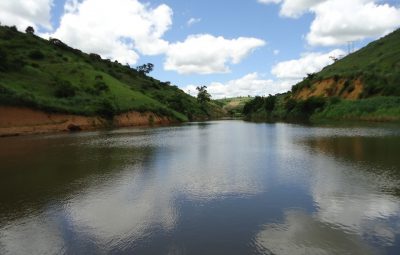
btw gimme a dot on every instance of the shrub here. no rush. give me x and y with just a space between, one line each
101 87
106 108
3 60
64 89
36 55
290 104
270 103
16 64
253 105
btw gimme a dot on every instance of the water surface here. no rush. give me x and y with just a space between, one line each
224 187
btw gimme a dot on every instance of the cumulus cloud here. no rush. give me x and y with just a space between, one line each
24 13
293 8
338 21
130 27
287 74
311 62
251 84
193 21
206 54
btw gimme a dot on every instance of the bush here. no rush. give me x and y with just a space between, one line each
106 108
101 87
64 89
253 105
270 103
16 64
290 104
3 60
310 105
36 55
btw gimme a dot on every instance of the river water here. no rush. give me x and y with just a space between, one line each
223 187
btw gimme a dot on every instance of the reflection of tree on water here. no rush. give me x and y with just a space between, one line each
51 172
381 153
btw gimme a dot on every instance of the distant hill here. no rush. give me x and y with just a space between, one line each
364 85
53 77
233 106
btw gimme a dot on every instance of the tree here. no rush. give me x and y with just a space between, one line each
145 69
30 30
3 59
203 96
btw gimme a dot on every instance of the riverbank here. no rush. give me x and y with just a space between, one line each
23 121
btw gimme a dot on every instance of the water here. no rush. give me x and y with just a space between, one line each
225 187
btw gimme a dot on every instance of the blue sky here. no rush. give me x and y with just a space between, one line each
252 47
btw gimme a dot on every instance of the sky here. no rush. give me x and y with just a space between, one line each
234 47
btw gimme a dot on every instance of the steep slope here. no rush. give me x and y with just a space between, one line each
371 71
50 76
364 85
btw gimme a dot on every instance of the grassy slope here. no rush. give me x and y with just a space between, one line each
234 106
377 65
40 74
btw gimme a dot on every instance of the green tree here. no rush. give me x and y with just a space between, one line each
30 30
145 69
270 103
203 96
3 59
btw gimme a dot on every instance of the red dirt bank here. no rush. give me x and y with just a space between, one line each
20 121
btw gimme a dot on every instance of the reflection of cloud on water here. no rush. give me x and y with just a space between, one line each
347 194
31 236
351 199
300 233
128 205
107 216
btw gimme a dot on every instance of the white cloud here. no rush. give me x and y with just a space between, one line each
287 74
293 8
276 52
308 63
206 54
24 13
115 29
269 1
338 21
296 8
193 21
251 84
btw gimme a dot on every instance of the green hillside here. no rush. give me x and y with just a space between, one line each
51 76
233 106
364 85
377 66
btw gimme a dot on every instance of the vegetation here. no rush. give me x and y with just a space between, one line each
371 109
233 106
203 96
50 75
376 67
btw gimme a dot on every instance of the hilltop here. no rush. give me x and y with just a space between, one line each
50 76
233 106
364 85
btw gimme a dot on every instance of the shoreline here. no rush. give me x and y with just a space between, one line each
16 121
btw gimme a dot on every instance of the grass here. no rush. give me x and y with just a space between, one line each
52 76
377 66
234 106
370 109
